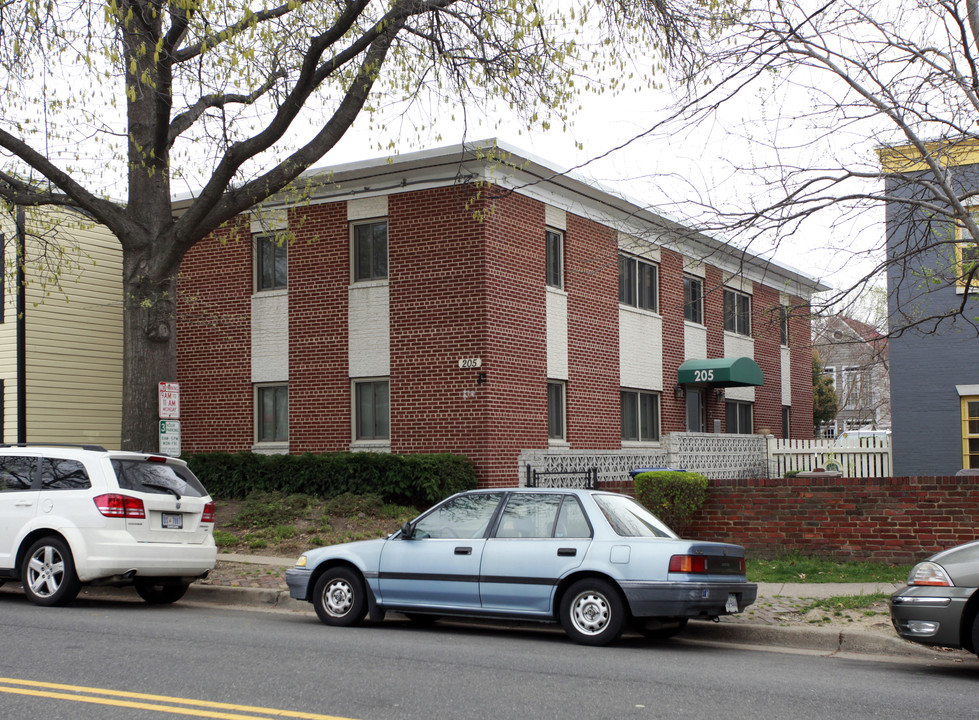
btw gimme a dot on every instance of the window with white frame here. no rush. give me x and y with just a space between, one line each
967 266
638 283
272 413
640 415
783 325
693 299
370 250
786 422
856 388
271 262
737 312
372 409
554 240
555 410
738 415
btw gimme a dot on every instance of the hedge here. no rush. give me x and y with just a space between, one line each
672 496
419 480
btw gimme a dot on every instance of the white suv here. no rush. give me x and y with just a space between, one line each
71 515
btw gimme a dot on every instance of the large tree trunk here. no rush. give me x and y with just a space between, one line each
150 356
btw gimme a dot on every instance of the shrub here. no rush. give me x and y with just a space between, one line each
791 473
672 496
418 480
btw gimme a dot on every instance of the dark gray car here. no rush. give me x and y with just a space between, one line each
940 605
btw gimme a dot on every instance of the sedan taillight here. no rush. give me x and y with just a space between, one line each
208 514
115 505
688 564
698 565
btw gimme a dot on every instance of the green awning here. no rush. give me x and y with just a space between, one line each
721 372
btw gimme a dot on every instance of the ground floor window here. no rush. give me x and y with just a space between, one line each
372 410
738 417
555 410
786 422
970 432
640 415
272 411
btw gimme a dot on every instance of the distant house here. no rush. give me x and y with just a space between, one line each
478 300
61 337
934 359
855 357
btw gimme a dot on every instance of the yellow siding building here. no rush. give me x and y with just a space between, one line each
73 330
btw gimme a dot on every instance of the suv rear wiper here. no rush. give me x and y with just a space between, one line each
165 488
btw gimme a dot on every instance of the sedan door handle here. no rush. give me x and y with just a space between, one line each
567 552
464 551
23 504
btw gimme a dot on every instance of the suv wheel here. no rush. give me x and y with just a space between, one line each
49 573
157 593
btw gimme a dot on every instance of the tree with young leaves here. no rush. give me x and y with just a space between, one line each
139 98
824 401
833 114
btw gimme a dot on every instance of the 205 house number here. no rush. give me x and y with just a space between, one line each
470 363
703 375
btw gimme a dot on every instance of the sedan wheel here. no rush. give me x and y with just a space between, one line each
975 635
339 597
592 612
157 593
49 573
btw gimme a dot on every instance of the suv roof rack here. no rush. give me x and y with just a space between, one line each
96 448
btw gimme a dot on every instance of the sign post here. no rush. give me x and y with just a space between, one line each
170 418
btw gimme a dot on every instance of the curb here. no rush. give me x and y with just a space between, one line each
821 639
817 639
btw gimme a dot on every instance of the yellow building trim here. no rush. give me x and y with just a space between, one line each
948 153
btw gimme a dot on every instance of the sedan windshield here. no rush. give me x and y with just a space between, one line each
630 519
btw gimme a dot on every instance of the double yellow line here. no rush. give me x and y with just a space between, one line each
144 701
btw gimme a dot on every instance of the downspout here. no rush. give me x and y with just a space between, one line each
21 328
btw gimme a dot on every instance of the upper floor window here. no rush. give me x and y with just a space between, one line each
370 241
640 415
737 312
856 389
967 265
783 325
638 283
554 240
271 263
693 299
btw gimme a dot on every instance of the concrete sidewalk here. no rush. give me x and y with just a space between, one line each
775 619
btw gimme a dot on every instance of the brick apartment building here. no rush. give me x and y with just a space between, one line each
479 301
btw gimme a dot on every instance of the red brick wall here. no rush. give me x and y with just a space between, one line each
896 520
515 396
319 275
765 330
672 411
592 282
437 316
214 343
800 347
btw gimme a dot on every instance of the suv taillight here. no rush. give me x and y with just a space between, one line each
115 505
208 514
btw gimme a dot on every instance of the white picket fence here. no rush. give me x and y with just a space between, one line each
854 456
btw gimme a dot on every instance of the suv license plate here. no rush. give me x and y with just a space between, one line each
731 605
173 521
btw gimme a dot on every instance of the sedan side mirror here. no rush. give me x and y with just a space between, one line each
407 531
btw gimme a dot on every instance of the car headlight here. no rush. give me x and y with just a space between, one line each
301 562
929 573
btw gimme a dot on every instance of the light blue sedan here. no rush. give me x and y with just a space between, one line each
594 561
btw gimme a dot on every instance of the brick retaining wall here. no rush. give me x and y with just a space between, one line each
881 519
